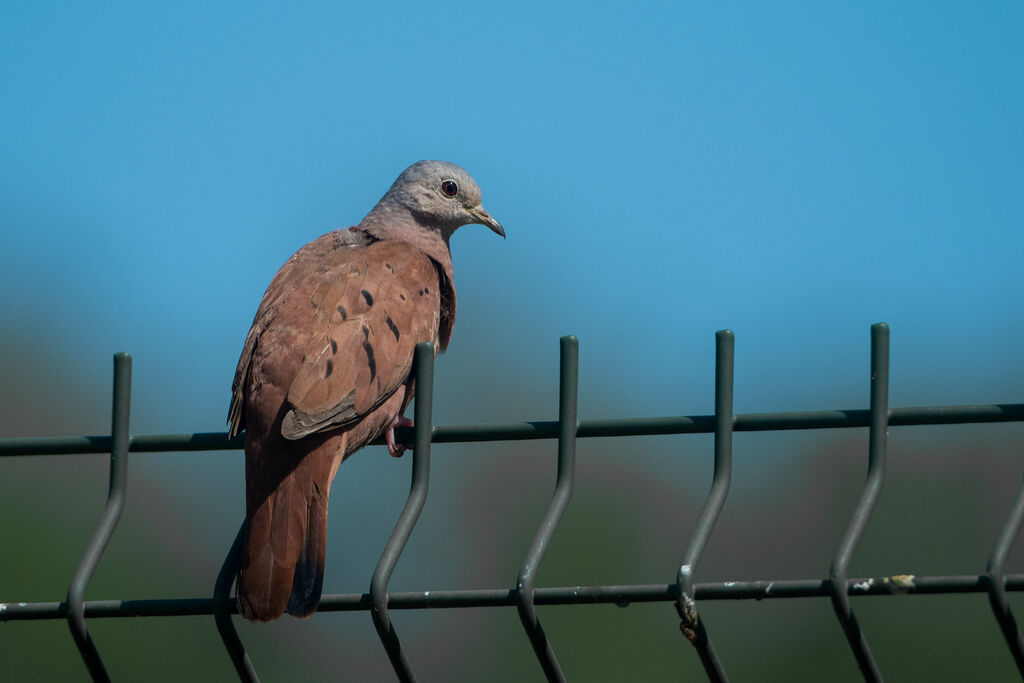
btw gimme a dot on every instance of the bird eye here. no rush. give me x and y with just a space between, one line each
449 188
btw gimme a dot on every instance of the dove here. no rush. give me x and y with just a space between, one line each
327 368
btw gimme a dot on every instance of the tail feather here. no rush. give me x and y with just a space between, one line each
308 580
286 537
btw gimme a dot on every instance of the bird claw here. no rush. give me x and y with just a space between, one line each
396 449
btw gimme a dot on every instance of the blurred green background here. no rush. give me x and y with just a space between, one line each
793 173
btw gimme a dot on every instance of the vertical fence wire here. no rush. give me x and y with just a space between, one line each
692 625
116 493
222 608
997 581
568 425
877 440
423 433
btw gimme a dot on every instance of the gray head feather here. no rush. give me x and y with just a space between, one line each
437 195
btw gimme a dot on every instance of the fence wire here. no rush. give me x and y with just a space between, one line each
525 595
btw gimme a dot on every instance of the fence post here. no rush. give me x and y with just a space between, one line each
424 430
692 625
116 493
568 425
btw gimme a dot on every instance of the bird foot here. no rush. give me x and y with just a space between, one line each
397 449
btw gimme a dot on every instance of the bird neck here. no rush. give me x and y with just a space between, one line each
387 223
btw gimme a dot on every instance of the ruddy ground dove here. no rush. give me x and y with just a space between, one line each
326 369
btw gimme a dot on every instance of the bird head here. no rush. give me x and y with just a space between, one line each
439 195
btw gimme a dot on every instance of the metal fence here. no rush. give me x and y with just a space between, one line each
525 596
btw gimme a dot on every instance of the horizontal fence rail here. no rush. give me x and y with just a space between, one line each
526 431
683 592
558 595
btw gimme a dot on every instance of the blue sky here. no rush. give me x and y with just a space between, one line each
792 172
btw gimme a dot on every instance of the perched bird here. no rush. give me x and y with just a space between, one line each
327 368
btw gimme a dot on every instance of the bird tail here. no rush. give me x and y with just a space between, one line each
308 579
286 536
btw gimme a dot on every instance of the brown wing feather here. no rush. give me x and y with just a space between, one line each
310 264
369 319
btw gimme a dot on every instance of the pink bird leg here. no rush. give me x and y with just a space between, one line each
397 449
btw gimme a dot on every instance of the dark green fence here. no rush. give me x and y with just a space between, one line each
525 596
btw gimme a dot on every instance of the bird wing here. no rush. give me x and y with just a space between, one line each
369 312
279 319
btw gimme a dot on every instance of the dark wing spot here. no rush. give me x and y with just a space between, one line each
366 333
334 346
427 290
421 292
402 296
330 367
344 315
388 266
366 295
393 327
368 347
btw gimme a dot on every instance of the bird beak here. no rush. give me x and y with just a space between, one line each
483 218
